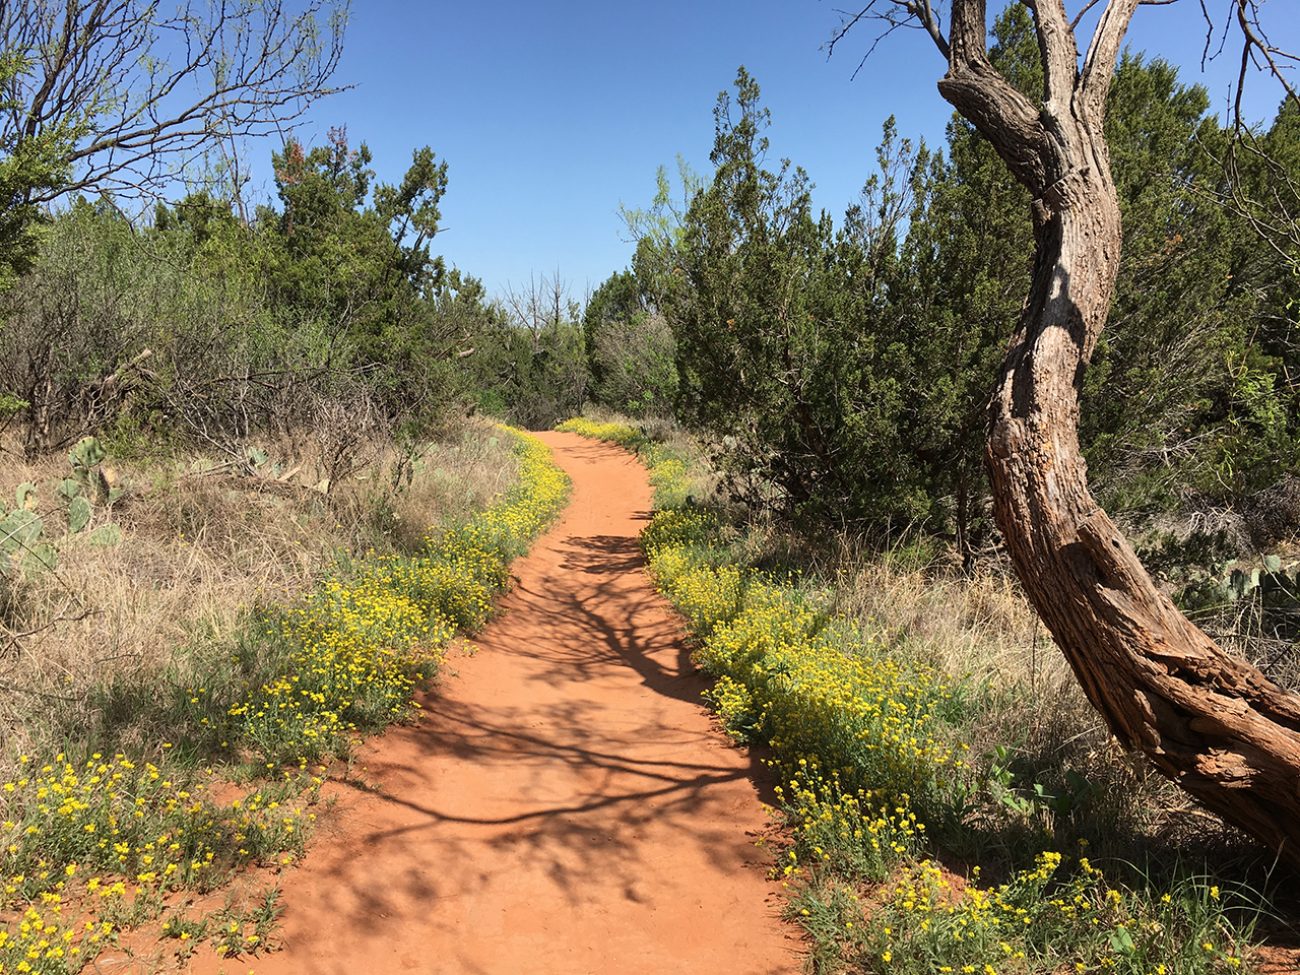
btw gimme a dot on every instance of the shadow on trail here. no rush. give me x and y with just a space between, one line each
606 614
568 769
680 784
626 782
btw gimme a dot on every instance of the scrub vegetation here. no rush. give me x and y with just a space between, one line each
263 460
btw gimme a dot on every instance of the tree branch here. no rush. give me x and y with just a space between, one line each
925 13
1008 119
1059 53
1255 42
1099 63
132 91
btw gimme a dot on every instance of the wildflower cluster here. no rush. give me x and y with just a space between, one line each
88 846
41 939
622 434
238 932
1039 921
707 596
353 652
869 718
853 833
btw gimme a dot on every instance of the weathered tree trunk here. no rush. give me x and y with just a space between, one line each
1210 722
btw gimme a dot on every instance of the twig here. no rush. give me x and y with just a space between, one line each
14 640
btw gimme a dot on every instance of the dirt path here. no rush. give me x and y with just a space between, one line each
564 806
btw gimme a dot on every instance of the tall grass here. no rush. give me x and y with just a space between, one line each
204 541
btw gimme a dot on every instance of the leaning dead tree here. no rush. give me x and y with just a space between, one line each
1209 721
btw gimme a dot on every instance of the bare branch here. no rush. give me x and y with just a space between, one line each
893 15
1074 24
1099 63
1206 56
925 13
139 95
1255 47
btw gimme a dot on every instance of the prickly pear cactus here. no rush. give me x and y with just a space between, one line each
19 528
79 512
21 543
109 534
88 452
25 543
85 459
1269 579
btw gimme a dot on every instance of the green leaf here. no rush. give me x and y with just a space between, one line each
105 535
79 511
1121 942
25 493
69 488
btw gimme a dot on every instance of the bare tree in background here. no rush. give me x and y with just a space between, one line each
132 91
543 374
544 301
1274 213
1210 722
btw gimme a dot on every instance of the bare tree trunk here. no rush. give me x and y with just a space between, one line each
1210 722
962 517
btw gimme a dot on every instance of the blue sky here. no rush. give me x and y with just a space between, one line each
552 114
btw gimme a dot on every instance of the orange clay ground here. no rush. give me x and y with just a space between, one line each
564 804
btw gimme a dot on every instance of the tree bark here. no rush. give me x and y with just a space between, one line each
1210 722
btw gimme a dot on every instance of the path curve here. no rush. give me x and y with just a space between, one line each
564 805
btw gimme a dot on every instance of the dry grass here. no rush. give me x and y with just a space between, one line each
1026 712
203 543
978 625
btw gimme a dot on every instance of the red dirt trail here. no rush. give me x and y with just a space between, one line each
564 805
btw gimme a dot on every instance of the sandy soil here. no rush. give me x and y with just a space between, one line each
565 804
